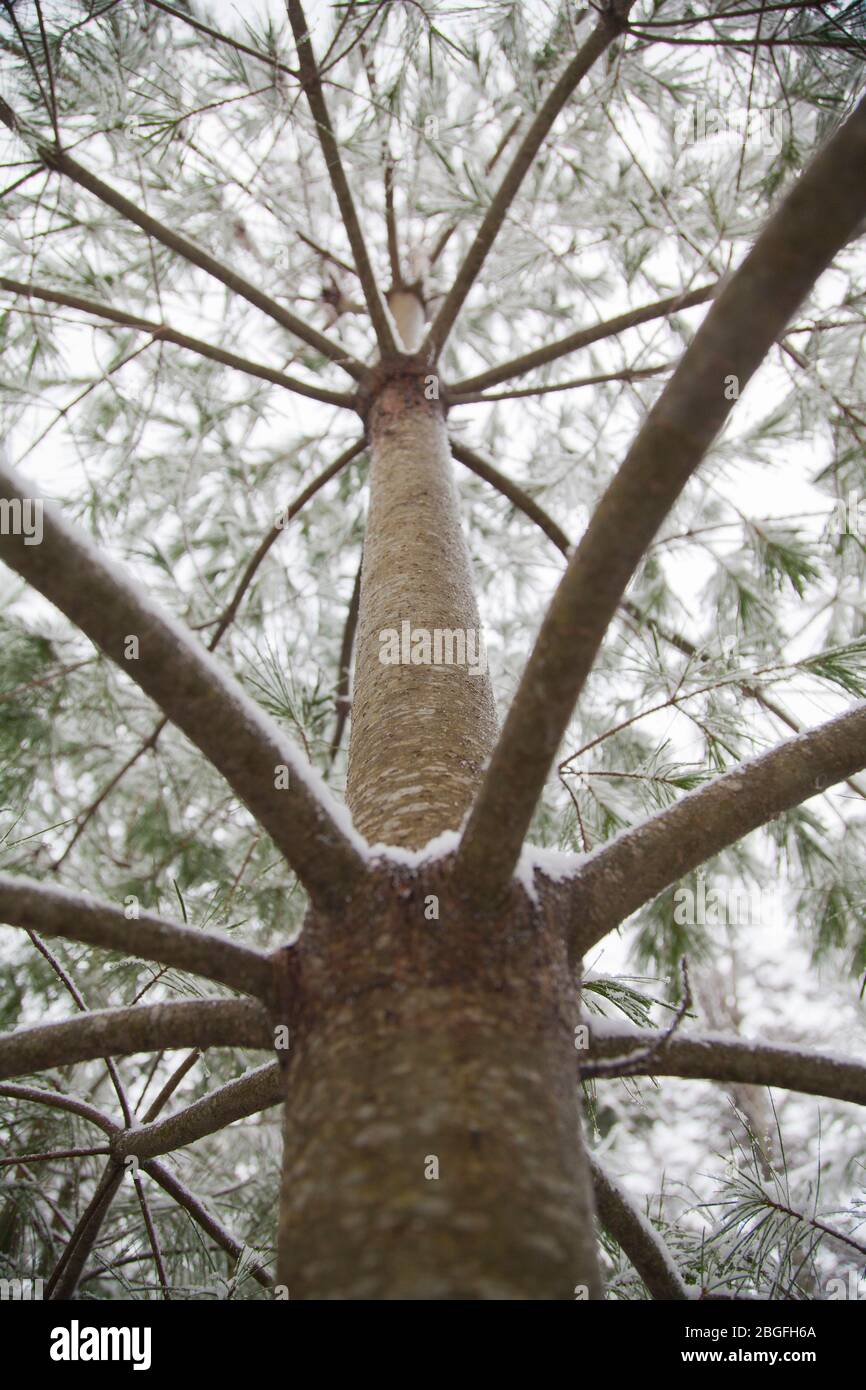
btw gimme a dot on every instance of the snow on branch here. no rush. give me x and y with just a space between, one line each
257 759
140 1028
818 217
631 869
54 911
612 17
637 1237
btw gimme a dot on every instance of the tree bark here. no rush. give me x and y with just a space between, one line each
432 1134
420 732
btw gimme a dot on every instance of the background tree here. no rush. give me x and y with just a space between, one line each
264 279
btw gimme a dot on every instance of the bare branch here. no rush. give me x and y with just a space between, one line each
819 215
199 1213
197 24
848 44
152 1237
712 1057
142 1028
611 22
85 817
639 1240
632 868
53 1154
63 163
312 85
164 333
325 253
581 338
627 374
391 224
521 500
71 987
251 569
67 1271
344 668
37 1095
57 912
254 1091
171 1084
223 624
245 745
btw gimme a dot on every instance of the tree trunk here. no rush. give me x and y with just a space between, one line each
432 1133
420 731
432 1136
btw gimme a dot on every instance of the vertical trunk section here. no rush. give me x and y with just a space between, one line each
432 1134
432 1144
422 725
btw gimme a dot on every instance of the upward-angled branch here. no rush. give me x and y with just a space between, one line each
636 865
312 85
65 164
612 19
254 1091
223 624
141 1028
164 333
344 667
391 223
524 503
57 912
272 536
818 217
158 1171
253 754
628 374
544 521
273 63
472 387
637 1236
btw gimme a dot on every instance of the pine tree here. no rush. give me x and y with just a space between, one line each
399 603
